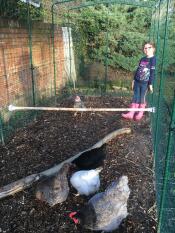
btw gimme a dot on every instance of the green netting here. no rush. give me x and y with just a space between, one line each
95 67
26 73
90 67
163 121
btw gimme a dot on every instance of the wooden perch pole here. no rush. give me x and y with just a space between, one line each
16 108
23 183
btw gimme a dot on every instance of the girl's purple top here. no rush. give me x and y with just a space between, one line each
146 70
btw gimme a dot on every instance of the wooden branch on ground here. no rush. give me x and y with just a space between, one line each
23 183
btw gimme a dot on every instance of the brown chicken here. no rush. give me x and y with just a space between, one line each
54 189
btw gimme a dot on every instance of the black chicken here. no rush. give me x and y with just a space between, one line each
54 189
91 159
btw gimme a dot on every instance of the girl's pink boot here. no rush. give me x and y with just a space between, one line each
130 115
139 115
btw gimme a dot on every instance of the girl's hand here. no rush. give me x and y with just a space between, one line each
150 87
132 85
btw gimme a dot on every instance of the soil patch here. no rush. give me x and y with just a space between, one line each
56 136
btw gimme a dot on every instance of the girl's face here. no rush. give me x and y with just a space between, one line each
149 50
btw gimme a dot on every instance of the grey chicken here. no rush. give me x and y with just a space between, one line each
54 189
105 211
78 103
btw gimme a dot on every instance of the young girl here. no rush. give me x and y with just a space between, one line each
142 82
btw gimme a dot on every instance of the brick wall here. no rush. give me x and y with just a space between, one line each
16 55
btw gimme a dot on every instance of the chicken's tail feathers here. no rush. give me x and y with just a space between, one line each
123 181
118 186
99 169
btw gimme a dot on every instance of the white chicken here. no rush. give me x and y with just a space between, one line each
86 182
105 211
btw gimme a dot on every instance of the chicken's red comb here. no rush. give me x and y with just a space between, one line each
77 98
71 215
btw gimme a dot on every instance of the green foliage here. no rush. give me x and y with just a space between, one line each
163 30
16 9
111 34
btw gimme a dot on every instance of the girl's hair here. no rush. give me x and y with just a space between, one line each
151 43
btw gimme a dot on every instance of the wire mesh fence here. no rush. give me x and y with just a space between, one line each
162 124
43 57
27 70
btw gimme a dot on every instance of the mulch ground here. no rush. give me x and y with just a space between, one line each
56 136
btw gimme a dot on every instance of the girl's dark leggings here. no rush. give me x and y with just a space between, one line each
140 90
